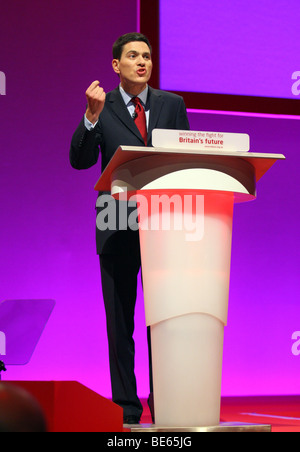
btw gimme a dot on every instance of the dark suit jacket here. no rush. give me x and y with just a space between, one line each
114 128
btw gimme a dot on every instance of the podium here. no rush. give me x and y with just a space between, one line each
185 200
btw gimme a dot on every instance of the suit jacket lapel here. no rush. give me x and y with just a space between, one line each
120 109
155 104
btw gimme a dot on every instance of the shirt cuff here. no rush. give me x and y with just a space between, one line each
88 124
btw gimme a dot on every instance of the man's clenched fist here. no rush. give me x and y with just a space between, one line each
96 98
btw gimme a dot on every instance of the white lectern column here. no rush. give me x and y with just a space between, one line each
186 204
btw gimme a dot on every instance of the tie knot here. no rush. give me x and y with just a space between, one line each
136 101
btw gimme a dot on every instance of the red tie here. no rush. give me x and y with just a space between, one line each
140 118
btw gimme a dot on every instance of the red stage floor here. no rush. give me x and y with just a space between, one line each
281 412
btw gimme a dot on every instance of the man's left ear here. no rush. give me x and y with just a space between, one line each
115 65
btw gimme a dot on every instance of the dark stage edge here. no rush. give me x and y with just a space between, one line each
223 427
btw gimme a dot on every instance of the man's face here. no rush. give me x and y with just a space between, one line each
134 66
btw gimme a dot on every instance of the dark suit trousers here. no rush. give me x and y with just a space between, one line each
119 285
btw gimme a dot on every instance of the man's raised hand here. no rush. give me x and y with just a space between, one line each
96 98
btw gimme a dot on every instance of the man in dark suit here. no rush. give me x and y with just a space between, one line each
111 120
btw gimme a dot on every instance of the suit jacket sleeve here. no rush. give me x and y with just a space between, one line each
84 151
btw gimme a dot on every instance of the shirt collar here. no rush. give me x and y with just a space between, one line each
127 97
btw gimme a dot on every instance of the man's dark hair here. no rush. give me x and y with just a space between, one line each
125 39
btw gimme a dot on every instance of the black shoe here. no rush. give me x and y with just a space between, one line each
131 419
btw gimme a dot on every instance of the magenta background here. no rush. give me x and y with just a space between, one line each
50 52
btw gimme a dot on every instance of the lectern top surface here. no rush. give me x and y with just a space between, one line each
239 154
262 162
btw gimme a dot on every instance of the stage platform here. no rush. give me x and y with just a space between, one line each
69 406
282 413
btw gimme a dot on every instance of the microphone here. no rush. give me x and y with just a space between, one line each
134 115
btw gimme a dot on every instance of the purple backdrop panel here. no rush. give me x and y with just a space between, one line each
230 47
50 53
260 356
